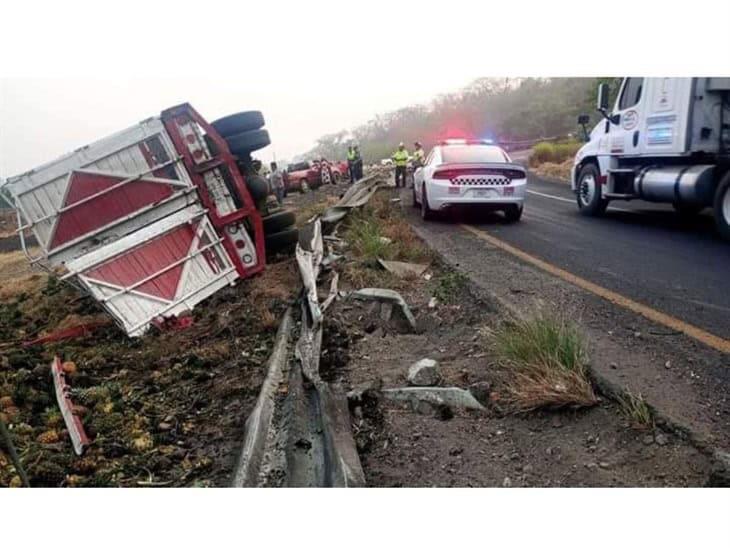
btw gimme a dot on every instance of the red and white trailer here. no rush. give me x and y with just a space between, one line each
150 220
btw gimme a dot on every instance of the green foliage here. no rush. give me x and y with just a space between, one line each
636 410
448 286
556 153
546 361
542 340
502 108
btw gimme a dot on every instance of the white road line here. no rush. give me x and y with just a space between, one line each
560 198
550 196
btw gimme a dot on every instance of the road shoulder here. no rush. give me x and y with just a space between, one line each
677 376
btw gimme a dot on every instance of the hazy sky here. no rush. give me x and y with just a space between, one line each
41 119
312 67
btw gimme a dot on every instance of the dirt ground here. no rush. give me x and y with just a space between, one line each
164 409
400 447
169 408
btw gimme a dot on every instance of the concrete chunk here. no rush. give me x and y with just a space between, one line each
424 372
450 396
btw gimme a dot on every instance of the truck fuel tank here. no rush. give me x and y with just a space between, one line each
694 184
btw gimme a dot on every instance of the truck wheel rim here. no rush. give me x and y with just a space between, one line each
726 206
587 189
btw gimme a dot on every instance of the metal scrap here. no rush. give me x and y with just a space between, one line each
75 428
248 472
305 438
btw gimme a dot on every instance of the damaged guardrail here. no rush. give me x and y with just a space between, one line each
299 433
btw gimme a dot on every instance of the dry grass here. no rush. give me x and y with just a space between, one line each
305 214
17 277
545 362
555 171
556 153
636 410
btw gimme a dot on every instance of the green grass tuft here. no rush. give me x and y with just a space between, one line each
555 153
546 361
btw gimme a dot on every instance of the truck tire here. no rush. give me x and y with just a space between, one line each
513 212
588 194
244 143
240 122
303 186
721 208
276 222
280 241
259 190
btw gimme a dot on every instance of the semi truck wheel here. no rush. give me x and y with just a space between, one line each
303 186
280 241
721 208
588 195
244 143
239 123
276 222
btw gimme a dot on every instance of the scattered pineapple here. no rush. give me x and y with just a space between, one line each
49 436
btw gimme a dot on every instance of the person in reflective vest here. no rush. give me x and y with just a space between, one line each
351 155
400 159
419 155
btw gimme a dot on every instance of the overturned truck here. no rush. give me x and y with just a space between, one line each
152 220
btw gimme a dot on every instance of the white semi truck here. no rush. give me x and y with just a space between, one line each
666 140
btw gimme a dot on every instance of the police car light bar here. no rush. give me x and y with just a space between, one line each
447 142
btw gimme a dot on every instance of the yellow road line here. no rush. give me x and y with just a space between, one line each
713 341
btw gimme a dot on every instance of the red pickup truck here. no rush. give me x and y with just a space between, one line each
302 176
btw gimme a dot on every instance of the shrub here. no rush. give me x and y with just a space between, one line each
556 153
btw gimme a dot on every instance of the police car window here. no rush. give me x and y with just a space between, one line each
631 93
470 154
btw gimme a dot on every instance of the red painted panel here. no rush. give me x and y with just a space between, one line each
153 256
105 209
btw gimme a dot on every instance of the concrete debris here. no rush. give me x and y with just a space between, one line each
424 372
481 391
385 240
720 474
449 396
432 302
402 269
386 296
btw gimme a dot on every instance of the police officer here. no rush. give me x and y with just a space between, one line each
419 156
400 159
351 157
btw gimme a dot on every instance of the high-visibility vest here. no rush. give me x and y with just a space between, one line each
351 155
418 155
400 157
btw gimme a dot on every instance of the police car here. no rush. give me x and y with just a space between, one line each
468 173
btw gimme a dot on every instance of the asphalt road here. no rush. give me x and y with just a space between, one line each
643 251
